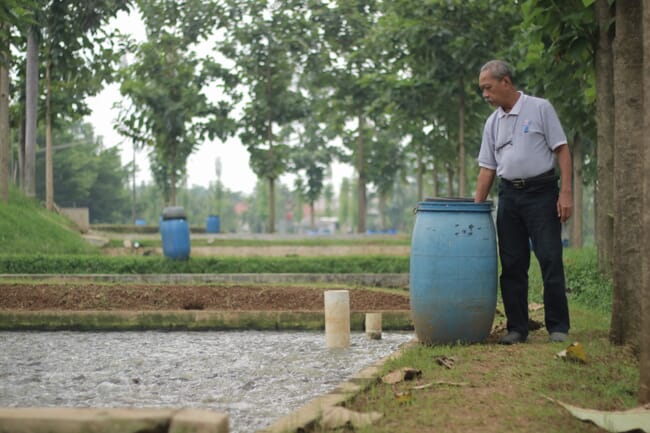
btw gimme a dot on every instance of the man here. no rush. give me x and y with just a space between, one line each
522 141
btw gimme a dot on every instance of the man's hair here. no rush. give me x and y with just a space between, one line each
498 69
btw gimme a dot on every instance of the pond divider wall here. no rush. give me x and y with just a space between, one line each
195 320
111 420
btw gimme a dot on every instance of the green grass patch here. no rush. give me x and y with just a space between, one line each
27 227
585 284
496 388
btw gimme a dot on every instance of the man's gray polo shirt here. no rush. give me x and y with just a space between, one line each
520 144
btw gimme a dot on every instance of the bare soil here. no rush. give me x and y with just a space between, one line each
147 297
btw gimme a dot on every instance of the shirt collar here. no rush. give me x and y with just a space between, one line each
516 108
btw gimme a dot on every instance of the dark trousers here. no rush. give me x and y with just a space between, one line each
524 215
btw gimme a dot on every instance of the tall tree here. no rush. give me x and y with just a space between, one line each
266 41
311 160
167 107
28 169
13 13
628 85
77 58
385 163
604 64
5 55
644 358
345 27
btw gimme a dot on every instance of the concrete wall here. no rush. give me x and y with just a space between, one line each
81 420
79 215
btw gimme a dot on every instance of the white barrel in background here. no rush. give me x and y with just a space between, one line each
337 318
373 326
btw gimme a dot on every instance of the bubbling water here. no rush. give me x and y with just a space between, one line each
254 376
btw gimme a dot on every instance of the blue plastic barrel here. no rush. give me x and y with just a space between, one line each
213 224
175 232
453 271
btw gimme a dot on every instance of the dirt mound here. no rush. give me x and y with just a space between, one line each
75 297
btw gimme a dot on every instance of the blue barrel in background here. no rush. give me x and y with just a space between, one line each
175 232
453 271
213 224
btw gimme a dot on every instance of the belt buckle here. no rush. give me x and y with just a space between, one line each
519 183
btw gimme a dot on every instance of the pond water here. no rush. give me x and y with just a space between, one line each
254 376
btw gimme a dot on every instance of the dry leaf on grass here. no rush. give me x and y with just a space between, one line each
337 416
404 373
613 421
403 397
446 361
575 352
533 306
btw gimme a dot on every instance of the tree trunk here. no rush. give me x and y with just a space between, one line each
272 205
312 215
628 135
49 173
450 181
577 218
361 228
172 185
382 210
462 166
28 169
4 124
605 120
644 356
420 174
436 182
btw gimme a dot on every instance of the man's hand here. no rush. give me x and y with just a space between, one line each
565 206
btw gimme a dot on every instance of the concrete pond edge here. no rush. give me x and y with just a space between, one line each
111 420
307 417
187 320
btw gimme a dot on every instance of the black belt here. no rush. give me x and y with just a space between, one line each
543 178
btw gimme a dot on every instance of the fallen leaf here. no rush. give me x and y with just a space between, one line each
575 352
612 421
446 361
337 416
533 306
404 373
404 397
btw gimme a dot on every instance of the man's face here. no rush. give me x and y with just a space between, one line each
494 91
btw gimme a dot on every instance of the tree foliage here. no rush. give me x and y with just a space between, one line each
167 87
86 174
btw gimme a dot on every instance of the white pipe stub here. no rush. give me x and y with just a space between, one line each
337 318
373 326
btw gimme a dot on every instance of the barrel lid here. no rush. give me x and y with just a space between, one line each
174 213
453 204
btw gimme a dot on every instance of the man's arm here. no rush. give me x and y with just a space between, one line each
565 201
483 184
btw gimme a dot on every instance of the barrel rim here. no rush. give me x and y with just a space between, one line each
453 204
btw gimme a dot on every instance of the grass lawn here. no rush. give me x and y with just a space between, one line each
494 388
508 389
